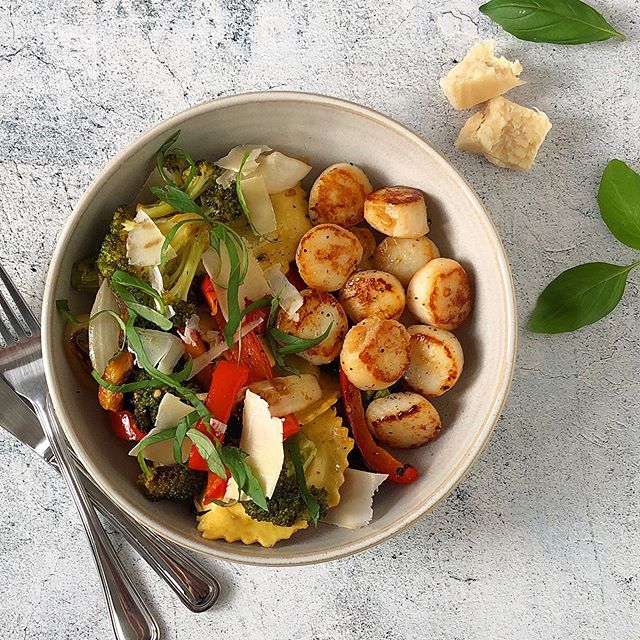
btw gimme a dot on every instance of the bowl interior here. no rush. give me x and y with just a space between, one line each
325 131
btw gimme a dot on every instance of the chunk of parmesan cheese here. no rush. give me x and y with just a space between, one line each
144 242
262 440
480 76
505 133
289 297
170 411
355 509
253 287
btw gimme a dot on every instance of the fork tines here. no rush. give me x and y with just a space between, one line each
16 320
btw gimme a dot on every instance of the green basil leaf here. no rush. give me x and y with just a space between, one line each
131 281
125 388
555 21
619 200
312 504
162 152
177 199
207 450
293 344
579 297
63 307
181 431
169 434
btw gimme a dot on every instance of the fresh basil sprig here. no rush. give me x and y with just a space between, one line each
554 21
293 344
619 201
177 199
584 294
296 459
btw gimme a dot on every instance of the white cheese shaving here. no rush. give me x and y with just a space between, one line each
261 214
233 159
170 411
191 330
162 349
356 499
144 242
289 297
262 441
217 266
281 172
226 179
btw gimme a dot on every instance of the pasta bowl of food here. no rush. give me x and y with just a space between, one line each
279 328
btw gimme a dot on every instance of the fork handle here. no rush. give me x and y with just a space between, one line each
130 617
195 586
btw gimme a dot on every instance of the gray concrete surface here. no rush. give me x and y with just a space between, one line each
542 539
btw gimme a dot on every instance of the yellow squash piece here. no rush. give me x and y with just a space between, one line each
292 223
326 470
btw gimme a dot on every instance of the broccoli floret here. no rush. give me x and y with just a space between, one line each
183 310
113 253
175 166
286 506
172 482
85 276
144 403
220 203
204 175
188 267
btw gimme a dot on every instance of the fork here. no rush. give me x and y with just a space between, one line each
22 366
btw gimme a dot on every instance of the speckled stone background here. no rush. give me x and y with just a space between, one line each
542 539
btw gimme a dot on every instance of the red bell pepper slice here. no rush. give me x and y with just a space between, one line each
227 380
123 425
374 456
209 294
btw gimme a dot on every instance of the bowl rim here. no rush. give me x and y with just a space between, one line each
467 460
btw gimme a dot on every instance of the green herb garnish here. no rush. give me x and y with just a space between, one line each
554 21
312 504
584 294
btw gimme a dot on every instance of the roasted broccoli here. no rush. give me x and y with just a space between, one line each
113 253
175 166
183 310
286 506
85 276
219 202
144 403
186 268
172 482
203 177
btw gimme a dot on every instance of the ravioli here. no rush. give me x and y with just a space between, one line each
326 470
290 208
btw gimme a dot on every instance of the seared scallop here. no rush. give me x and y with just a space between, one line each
338 194
400 212
439 294
403 420
319 310
435 360
402 257
327 255
375 353
372 294
368 242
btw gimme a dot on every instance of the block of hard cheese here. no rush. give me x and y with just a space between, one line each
480 76
505 133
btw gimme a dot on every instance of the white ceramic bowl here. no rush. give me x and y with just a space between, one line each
325 130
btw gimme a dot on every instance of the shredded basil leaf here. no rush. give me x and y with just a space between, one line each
149 440
312 504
